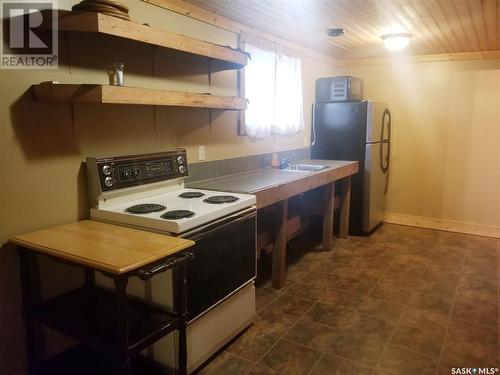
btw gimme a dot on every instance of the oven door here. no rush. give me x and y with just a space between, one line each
224 261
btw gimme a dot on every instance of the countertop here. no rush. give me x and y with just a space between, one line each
104 247
273 185
257 180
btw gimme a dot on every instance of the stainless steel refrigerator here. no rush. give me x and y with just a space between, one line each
361 131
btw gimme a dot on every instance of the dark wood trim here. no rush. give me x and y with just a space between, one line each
31 296
279 252
328 202
345 203
121 314
181 305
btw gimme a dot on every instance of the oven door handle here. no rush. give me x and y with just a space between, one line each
231 220
146 274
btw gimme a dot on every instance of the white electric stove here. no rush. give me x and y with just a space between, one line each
147 192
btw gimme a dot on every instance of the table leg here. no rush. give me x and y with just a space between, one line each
182 311
279 251
328 201
345 202
89 278
122 317
30 289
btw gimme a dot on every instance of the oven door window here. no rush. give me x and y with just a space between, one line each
224 261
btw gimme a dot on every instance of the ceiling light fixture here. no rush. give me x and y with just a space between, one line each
396 41
335 31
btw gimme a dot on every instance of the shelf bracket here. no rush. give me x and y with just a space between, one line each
209 72
68 50
153 62
155 117
240 87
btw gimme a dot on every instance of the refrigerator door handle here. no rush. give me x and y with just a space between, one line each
313 118
384 162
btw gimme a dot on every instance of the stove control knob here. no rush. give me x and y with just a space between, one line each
106 169
182 169
137 171
127 172
108 181
180 160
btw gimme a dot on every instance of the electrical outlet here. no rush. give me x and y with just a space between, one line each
201 153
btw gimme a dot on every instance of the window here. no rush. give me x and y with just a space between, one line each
273 87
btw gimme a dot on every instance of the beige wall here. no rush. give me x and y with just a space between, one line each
446 140
41 146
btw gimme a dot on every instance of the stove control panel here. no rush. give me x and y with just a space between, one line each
125 171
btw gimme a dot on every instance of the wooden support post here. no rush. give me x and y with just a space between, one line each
345 202
328 200
279 252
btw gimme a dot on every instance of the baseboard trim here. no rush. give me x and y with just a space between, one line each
442 224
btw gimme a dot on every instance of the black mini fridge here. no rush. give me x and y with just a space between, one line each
360 131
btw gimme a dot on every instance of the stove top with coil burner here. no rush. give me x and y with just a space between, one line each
177 214
219 199
191 194
145 208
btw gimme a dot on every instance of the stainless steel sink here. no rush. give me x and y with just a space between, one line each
295 170
306 167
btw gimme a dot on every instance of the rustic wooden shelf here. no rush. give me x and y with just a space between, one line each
94 93
100 23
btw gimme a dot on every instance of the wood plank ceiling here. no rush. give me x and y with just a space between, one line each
438 26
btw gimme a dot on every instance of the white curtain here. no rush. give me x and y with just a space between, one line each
273 87
259 90
288 103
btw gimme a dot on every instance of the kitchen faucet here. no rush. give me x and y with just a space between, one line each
285 162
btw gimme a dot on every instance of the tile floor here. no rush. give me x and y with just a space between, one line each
403 301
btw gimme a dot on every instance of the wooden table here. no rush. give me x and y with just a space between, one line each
113 323
275 187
